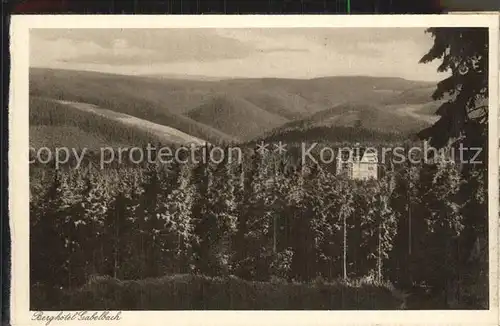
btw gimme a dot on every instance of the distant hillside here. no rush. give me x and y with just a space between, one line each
165 134
54 124
374 117
235 116
136 96
68 136
351 120
239 110
183 77
417 95
335 135
323 93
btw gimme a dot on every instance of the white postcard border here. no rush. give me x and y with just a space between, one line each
19 167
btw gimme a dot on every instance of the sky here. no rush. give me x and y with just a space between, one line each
278 53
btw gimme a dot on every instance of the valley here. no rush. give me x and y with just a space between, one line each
240 110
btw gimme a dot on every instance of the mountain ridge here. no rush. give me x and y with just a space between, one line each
239 110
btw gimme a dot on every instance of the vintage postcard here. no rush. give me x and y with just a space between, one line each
242 170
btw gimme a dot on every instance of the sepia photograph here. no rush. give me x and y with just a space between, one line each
279 167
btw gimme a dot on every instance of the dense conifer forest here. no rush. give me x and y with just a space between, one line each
261 220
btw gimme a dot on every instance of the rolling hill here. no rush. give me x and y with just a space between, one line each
68 136
163 133
55 124
287 105
235 116
140 97
356 122
239 110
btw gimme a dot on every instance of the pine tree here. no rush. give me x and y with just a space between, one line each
444 225
345 211
251 240
302 242
220 215
202 224
46 227
406 202
386 225
178 236
464 53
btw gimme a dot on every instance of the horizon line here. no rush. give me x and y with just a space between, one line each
220 78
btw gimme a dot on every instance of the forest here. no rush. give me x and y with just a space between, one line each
261 221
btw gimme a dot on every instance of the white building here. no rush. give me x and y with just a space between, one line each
358 163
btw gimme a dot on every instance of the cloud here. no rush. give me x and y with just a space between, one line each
344 41
54 51
135 46
288 53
